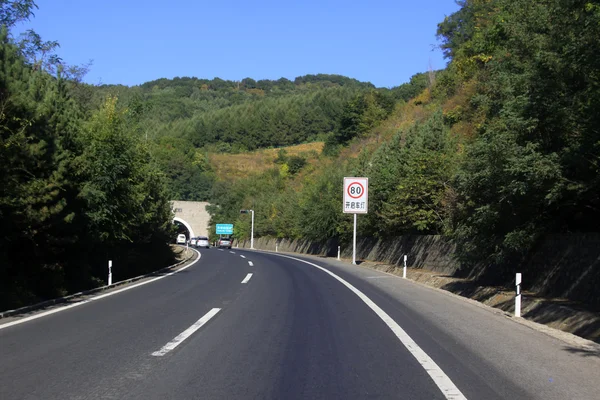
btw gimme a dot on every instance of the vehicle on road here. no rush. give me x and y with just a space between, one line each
181 239
202 241
224 243
193 241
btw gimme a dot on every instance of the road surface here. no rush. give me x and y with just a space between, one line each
250 325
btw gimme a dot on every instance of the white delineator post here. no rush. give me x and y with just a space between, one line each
252 231
338 253
518 296
404 270
110 272
354 242
276 248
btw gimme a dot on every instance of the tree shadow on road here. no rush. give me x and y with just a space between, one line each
582 351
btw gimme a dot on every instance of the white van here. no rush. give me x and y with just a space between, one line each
181 239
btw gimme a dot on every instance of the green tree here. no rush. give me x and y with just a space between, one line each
37 144
12 12
320 205
363 113
126 204
295 164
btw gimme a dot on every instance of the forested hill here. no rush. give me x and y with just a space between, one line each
184 119
242 115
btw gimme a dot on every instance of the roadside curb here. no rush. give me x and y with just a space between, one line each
60 300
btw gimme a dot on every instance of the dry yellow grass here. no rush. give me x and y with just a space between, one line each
228 166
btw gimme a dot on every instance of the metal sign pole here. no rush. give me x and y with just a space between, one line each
354 242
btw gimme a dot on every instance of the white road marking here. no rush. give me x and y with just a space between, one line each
186 334
232 252
250 263
221 250
247 278
443 382
79 303
243 256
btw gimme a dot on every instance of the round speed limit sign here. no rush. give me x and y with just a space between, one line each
355 190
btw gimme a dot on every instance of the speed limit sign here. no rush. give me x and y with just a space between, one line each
356 194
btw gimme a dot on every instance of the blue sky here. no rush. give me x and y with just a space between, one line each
131 41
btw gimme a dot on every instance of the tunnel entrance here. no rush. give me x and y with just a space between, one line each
183 227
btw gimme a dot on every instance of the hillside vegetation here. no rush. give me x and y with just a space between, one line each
501 147
184 120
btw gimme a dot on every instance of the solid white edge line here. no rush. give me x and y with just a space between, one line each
247 278
79 303
443 382
250 263
186 334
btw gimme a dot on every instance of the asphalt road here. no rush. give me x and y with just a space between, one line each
290 330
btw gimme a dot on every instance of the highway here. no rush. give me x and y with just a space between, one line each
242 324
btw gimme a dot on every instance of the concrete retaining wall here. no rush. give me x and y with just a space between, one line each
433 253
567 266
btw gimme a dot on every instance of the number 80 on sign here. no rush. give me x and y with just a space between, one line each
356 193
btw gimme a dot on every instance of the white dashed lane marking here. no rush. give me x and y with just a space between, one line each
186 334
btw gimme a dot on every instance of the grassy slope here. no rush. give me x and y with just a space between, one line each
228 166
235 166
